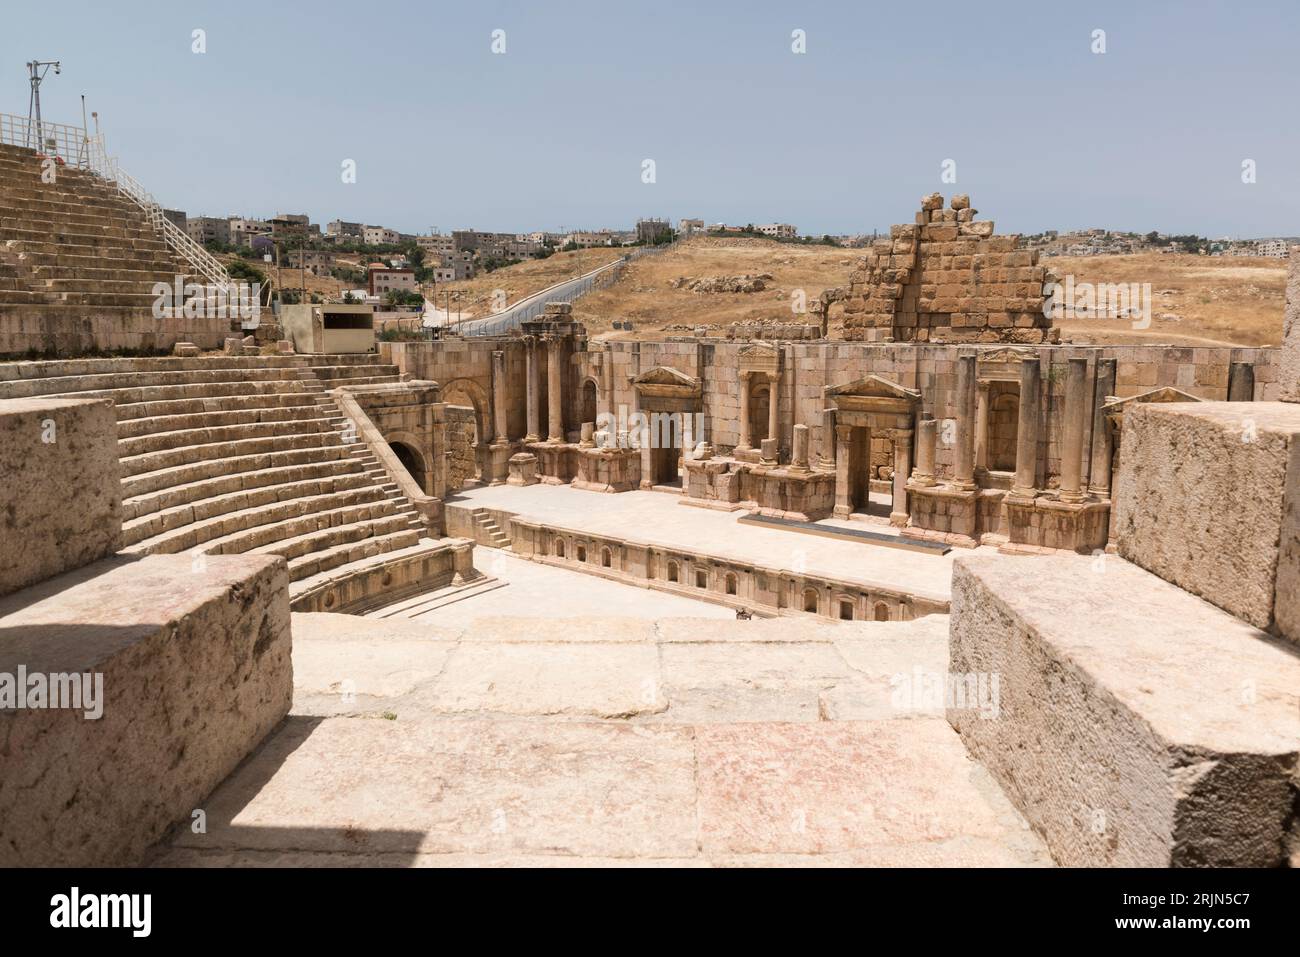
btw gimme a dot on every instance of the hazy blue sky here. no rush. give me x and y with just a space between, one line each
844 138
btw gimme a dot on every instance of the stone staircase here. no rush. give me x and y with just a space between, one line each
242 455
487 531
78 261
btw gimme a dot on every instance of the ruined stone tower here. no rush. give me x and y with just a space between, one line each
947 278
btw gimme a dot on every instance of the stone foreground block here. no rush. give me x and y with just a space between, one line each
1204 494
60 492
1137 725
1289 374
195 665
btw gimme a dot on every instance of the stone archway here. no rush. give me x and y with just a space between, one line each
467 393
413 461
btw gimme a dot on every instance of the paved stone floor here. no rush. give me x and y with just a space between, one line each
499 740
660 518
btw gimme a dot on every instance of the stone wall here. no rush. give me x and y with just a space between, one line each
947 278
52 452
1211 503
461 464
1289 371
808 369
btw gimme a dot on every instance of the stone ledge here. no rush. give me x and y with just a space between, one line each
1207 500
1138 725
57 452
195 659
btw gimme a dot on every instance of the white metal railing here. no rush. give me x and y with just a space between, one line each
75 147
70 144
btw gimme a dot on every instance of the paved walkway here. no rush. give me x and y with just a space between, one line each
507 741
660 518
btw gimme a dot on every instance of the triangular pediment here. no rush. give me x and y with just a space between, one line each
873 387
758 350
1163 394
664 375
1006 354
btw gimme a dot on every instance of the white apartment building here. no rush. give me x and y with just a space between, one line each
380 236
778 230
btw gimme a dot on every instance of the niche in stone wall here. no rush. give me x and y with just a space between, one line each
1004 418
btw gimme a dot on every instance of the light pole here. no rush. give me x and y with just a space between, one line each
36 70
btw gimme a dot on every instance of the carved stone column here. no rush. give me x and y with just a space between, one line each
774 408
533 390
1076 413
898 513
745 435
843 488
827 453
964 468
799 449
554 389
927 435
1102 442
1026 480
982 426
499 408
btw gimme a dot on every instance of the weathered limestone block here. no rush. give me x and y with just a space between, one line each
1136 724
195 665
1289 374
54 452
1205 492
523 469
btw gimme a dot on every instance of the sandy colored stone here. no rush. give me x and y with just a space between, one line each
347 677
599 680
196 670
539 628
823 788
459 786
309 626
743 681
1204 493
55 452
1138 725
894 667
1289 366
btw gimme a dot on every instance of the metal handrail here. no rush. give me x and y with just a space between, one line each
75 147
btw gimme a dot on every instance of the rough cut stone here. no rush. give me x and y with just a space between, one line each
1206 491
1289 373
1137 725
54 453
194 658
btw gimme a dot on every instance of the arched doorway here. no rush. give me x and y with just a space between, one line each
412 461
469 430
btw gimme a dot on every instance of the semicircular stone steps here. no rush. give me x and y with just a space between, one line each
228 455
